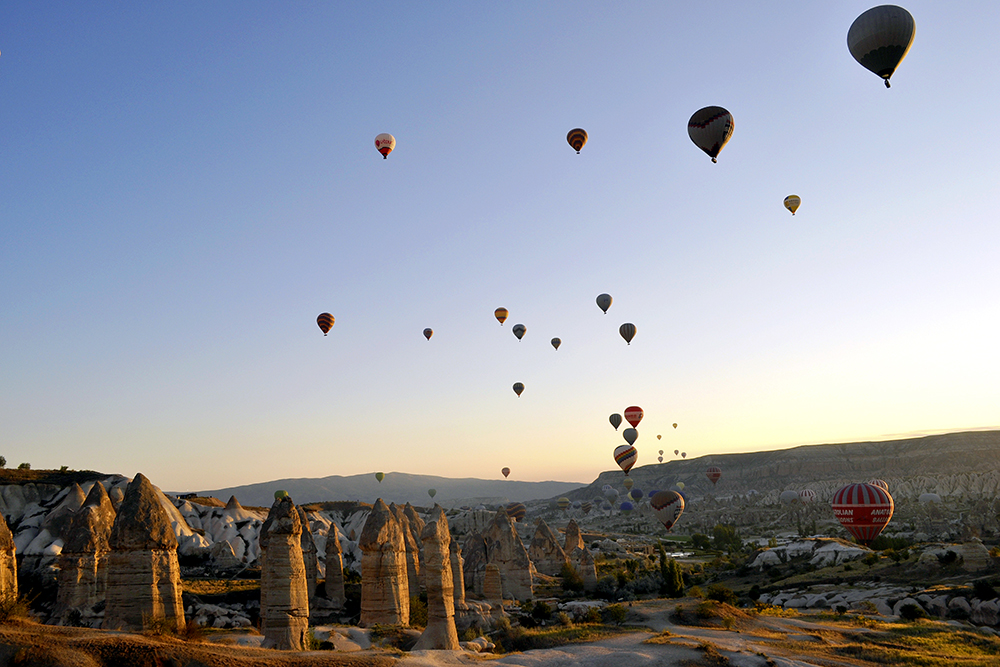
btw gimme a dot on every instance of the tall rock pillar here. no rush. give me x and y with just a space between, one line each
440 632
284 598
8 562
385 595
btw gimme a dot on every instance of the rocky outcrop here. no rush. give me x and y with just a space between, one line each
143 580
416 525
384 588
83 564
493 585
440 632
585 566
309 557
284 599
545 551
334 584
499 545
412 546
8 562
574 540
457 571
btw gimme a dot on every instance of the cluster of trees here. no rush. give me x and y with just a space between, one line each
21 466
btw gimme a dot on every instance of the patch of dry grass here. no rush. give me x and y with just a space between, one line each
218 586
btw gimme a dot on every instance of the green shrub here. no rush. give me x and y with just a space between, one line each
564 619
418 612
541 611
721 593
754 593
871 559
571 579
614 613
593 616
911 612
24 466
699 541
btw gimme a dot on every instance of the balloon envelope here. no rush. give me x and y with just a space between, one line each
636 494
676 452
577 138
501 315
660 459
658 436
506 472
684 455
325 322
518 388
519 330
710 128
432 492
863 509
627 506
633 415
428 332
556 343
627 331
713 474
792 203
516 511
563 503
880 483
280 493
625 457
628 483
788 497
630 435
675 425
616 420
385 143
380 476
880 38
927 498
604 302
807 495
667 506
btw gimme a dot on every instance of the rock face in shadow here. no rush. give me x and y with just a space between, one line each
384 587
309 558
83 564
499 545
583 562
545 552
143 581
284 599
8 562
493 585
574 540
412 546
440 632
334 585
457 572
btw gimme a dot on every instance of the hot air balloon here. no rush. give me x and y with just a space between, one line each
684 455
788 497
863 509
625 457
516 511
518 388
505 472
325 322
658 436
587 506
667 506
660 459
627 331
519 330
677 452
680 485
633 415
380 476
428 332
628 483
630 435
280 493
616 420
556 343
501 315
636 494
576 504
432 492
604 302
879 482
807 495
710 129
661 452
385 143
713 474
577 139
611 494
626 507
928 498
880 38
675 425
792 203
563 503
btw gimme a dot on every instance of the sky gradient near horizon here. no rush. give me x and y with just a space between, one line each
185 186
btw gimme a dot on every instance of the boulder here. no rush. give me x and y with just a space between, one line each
284 597
440 632
143 577
985 612
384 588
545 552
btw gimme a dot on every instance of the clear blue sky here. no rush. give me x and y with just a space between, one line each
185 186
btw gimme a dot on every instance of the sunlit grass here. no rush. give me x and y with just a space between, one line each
218 586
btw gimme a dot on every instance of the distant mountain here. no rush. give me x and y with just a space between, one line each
396 487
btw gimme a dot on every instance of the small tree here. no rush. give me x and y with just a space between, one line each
571 579
673 577
24 466
3 462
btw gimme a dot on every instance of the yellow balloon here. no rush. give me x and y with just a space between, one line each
792 203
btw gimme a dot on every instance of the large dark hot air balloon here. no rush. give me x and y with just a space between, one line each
627 331
325 322
713 474
519 330
616 420
863 509
516 511
556 343
604 302
577 139
880 38
506 472
630 435
428 332
518 388
710 128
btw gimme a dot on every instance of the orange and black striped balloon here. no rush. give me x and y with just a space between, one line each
501 315
325 322
577 139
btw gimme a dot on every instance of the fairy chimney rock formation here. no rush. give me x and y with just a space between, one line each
117 496
574 540
457 572
416 526
505 550
8 563
493 585
309 557
57 521
585 566
545 552
412 546
143 577
385 597
284 598
334 585
440 632
83 563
